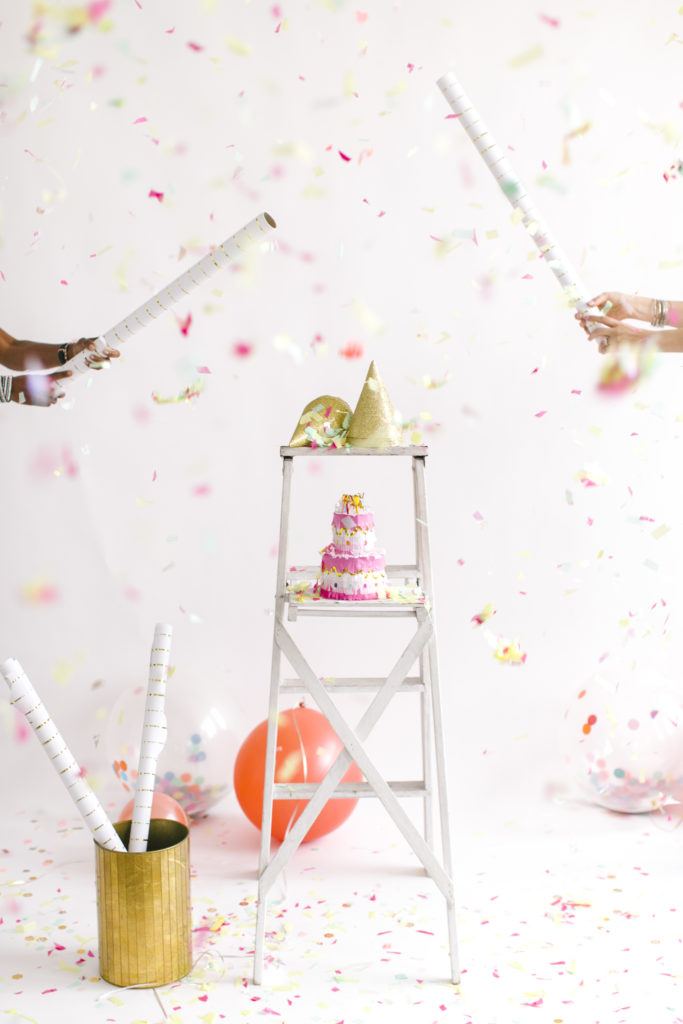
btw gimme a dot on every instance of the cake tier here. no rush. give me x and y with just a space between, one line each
347 577
353 534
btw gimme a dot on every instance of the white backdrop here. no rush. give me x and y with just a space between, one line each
118 511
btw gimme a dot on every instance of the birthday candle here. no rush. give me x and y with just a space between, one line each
24 697
153 738
233 248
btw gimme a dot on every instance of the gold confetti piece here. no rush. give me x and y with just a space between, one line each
237 46
660 531
533 53
397 89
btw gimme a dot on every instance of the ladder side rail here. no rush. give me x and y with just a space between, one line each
424 558
271 735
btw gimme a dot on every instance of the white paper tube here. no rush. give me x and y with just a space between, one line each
513 189
153 737
24 697
232 249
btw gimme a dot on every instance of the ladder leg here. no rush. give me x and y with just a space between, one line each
419 507
425 567
271 738
427 774
447 854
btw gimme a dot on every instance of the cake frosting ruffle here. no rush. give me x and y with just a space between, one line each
352 568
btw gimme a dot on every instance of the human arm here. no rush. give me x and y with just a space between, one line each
33 388
622 306
608 329
37 355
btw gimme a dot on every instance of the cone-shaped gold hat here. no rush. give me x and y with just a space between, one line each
324 420
373 423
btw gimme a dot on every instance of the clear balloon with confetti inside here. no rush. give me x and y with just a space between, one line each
623 739
196 765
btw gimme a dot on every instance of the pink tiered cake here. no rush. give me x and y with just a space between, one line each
352 567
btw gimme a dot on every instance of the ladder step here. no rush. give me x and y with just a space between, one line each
380 609
345 790
349 684
310 572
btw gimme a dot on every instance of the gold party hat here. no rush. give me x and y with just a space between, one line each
373 424
324 421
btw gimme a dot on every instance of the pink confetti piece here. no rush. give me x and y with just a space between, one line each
185 324
196 47
527 277
553 22
203 369
97 9
361 17
155 195
352 350
63 281
242 349
344 156
538 415
140 120
22 730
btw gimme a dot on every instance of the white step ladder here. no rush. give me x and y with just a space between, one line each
420 650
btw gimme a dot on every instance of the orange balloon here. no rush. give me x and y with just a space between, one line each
163 806
307 747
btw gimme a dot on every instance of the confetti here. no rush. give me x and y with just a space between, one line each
591 476
352 350
506 651
242 349
190 392
484 615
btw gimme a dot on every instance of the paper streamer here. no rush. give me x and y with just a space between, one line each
233 248
24 697
153 737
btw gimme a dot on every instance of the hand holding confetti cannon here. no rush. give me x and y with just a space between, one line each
37 388
218 259
619 371
606 324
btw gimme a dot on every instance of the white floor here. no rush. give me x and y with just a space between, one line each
567 913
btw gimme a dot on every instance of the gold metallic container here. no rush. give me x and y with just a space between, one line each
143 908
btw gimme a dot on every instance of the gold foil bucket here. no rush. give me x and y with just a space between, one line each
143 907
